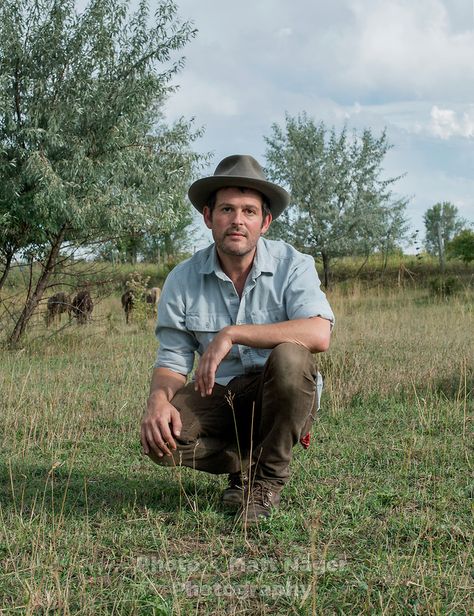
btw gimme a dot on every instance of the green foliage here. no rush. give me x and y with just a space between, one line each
177 240
445 286
138 284
156 273
462 246
152 247
443 217
85 154
340 205
82 140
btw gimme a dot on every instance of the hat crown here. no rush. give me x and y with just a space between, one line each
239 171
240 165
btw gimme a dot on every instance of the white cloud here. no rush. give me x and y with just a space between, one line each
445 123
400 48
364 50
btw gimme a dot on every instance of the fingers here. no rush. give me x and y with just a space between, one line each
176 423
210 361
143 441
155 442
156 436
205 376
163 438
205 382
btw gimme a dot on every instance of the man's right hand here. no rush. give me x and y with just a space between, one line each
161 422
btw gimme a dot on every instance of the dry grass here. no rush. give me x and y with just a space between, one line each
396 342
377 518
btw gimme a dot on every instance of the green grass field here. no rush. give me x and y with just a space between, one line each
377 518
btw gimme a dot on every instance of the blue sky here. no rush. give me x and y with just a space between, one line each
401 64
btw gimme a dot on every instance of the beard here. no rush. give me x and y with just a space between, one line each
236 249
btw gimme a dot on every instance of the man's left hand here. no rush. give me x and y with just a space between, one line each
210 360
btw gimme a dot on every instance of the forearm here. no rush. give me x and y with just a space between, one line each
313 333
165 383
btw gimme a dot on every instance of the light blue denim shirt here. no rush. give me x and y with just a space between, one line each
198 300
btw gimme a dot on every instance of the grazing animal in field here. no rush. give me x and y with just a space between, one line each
153 295
57 304
127 304
82 306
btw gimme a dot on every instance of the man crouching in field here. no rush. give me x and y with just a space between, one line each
253 311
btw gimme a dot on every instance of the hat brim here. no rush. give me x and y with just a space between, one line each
201 190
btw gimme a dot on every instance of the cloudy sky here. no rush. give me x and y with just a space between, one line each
401 64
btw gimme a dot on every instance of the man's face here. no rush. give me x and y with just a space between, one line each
236 220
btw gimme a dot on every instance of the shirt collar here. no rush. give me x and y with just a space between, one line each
210 262
263 262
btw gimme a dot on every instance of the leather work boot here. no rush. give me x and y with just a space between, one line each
259 502
233 495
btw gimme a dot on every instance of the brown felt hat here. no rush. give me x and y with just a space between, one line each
241 171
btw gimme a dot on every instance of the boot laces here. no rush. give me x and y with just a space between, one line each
261 494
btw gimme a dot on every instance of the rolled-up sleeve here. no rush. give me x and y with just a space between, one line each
176 344
304 297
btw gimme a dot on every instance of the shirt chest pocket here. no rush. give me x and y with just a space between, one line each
265 317
269 315
205 327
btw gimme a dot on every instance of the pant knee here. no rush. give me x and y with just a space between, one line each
290 364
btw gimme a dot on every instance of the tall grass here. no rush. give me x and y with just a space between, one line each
395 342
377 518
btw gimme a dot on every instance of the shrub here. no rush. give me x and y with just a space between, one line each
445 286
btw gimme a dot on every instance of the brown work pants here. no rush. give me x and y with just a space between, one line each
254 419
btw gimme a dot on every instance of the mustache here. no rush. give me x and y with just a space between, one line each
236 230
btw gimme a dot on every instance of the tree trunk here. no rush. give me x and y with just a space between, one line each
132 256
326 268
34 299
6 270
168 245
442 262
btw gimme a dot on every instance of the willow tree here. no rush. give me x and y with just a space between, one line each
84 152
340 202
